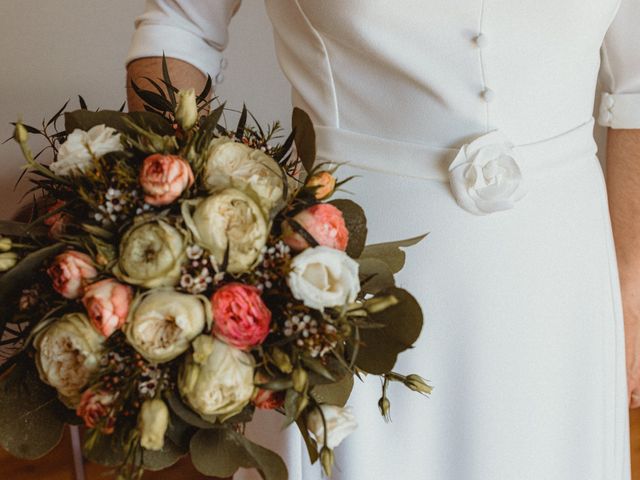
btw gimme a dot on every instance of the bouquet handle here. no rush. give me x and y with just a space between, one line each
78 460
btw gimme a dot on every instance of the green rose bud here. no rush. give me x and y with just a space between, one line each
327 459
187 110
20 133
5 244
8 260
151 254
153 421
300 379
385 408
281 360
378 304
417 384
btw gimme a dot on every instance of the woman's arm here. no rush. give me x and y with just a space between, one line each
183 75
623 185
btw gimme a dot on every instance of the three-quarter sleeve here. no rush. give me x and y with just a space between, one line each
195 31
620 101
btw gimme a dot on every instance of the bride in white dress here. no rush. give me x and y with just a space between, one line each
471 119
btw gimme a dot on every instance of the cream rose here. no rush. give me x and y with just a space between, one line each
153 421
340 424
76 154
151 254
162 323
217 379
228 218
485 176
233 164
324 277
68 350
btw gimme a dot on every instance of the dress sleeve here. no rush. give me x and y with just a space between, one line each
620 102
195 31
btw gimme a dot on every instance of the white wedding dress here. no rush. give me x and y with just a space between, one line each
523 339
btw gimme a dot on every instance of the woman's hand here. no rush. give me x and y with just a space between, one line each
623 186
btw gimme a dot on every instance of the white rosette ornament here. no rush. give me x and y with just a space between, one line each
233 164
323 277
485 176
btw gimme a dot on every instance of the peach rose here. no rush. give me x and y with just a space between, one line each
70 271
324 223
268 399
58 221
323 184
94 409
107 303
240 317
164 178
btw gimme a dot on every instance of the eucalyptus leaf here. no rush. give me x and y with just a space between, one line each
105 451
375 275
356 222
21 229
186 414
31 420
390 252
20 277
401 327
304 138
221 452
85 119
334 393
311 444
161 459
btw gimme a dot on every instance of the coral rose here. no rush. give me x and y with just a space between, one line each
323 184
107 303
70 271
164 178
95 410
267 399
323 222
58 221
240 317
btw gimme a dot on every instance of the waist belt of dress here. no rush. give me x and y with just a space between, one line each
393 157
488 175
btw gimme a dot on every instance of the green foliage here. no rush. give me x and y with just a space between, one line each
85 120
304 138
390 252
334 393
399 328
31 416
375 275
221 452
356 222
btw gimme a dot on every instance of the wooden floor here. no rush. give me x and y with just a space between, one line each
58 464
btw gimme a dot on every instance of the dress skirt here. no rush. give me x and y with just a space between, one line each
523 339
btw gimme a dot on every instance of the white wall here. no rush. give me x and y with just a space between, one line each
53 50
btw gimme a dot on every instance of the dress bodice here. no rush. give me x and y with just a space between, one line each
438 72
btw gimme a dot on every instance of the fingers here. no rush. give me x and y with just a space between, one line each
634 401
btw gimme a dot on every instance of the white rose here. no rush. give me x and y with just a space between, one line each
162 323
228 218
233 164
153 421
68 351
485 176
340 424
217 379
78 151
324 277
151 255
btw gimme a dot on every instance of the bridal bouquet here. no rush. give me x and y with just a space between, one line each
176 275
